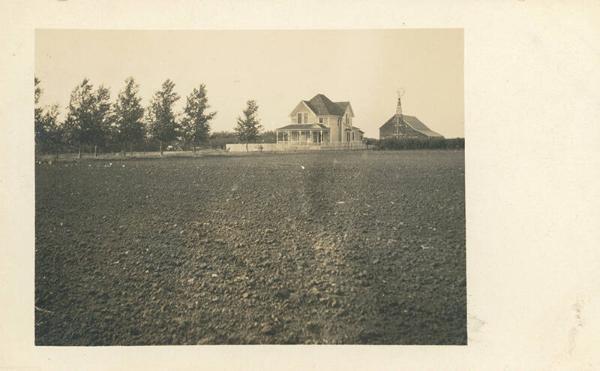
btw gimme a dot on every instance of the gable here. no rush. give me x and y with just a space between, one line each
302 107
346 108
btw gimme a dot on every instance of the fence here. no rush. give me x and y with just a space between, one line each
284 147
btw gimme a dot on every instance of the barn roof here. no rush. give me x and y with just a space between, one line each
321 105
415 124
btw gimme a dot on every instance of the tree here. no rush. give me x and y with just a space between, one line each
267 137
38 113
127 116
88 116
195 123
249 127
220 139
101 117
51 135
37 94
162 124
48 132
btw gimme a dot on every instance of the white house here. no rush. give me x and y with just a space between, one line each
320 121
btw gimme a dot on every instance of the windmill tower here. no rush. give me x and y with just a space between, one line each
399 118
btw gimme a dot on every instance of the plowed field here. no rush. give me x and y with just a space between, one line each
328 248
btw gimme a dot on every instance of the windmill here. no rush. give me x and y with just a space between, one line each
399 118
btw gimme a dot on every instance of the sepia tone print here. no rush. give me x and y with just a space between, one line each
249 187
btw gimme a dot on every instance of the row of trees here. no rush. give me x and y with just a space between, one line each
93 121
416 143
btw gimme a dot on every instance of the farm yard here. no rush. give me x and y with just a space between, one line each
296 248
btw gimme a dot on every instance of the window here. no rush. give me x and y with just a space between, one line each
320 120
299 118
305 117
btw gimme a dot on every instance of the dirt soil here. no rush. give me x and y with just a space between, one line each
328 248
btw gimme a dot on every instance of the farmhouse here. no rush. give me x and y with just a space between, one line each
320 121
405 126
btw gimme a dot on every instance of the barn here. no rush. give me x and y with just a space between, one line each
405 126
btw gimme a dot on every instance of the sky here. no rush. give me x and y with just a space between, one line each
278 69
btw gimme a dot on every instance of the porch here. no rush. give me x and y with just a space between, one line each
302 134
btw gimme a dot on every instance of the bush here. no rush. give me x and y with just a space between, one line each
221 138
371 141
418 143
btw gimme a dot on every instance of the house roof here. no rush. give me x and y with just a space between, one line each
321 105
415 124
344 106
304 127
